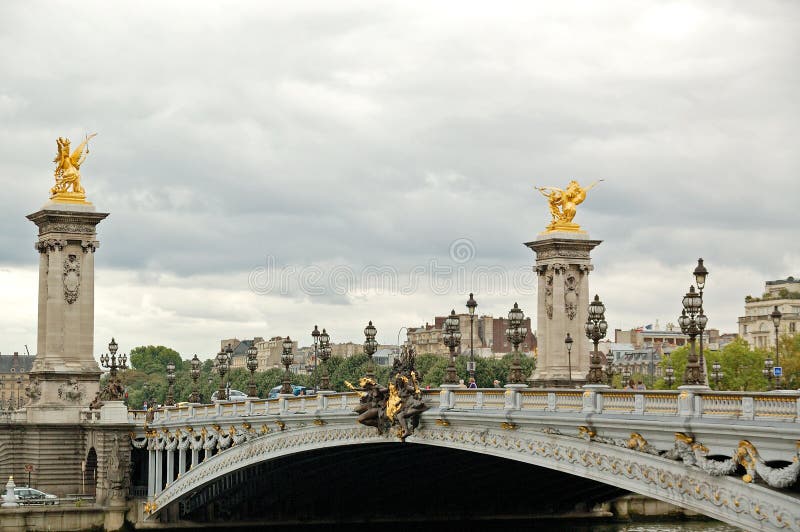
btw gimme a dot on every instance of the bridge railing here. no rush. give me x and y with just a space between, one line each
700 403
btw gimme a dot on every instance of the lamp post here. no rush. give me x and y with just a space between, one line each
516 334
286 359
471 305
315 335
252 366
451 336
195 372
325 355
776 321
568 342
596 328
692 321
223 362
610 372
767 371
148 395
716 373
170 401
700 274
669 375
626 374
370 346
113 389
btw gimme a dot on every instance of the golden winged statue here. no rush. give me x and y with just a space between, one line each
563 203
67 172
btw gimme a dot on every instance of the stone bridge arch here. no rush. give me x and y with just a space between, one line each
752 507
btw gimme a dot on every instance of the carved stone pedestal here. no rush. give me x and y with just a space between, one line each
563 265
65 375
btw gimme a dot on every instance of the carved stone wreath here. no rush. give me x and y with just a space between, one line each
72 278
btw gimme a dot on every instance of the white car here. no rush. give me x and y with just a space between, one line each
34 496
233 395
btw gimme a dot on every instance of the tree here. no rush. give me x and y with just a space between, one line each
154 358
741 365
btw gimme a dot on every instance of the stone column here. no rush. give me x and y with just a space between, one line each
159 471
65 372
181 462
563 265
151 473
170 466
195 458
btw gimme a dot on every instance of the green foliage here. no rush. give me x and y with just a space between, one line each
741 365
154 358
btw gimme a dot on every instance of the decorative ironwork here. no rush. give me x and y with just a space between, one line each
370 346
451 336
325 355
113 390
252 366
195 373
596 328
286 359
516 333
692 322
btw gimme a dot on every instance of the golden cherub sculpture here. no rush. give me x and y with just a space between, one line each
68 173
563 205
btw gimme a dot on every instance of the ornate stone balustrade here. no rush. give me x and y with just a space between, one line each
748 406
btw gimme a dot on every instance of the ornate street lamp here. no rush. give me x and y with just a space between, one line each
700 275
315 335
451 336
596 328
626 374
691 320
286 359
325 355
223 363
610 372
776 321
669 375
370 346
471 306
195 373
171 381
716 373
568 342
767 371
516 334
113 389
252 366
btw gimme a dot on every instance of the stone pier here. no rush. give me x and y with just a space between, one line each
562 265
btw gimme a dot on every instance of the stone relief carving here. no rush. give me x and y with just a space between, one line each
75 228
72 278
71 391
569 253
90 245
33 390
49 244
115 473
548 294
571 295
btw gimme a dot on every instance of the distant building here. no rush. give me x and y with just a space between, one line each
13 379
756 325
642 360
489 336
669 339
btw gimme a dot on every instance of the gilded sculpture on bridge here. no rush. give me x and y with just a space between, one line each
563 205
68 188
398 404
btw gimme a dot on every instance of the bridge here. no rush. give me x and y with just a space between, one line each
732 456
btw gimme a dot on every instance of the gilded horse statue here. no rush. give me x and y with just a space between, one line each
563 204
67 172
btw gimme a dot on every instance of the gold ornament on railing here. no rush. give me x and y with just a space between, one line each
68 187
563 205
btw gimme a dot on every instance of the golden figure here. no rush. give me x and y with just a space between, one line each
68 173
563 205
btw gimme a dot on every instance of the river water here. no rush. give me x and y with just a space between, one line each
539 525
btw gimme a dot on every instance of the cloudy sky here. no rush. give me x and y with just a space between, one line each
269 166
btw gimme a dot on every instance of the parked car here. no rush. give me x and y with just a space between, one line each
233 395
34 496
296 389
